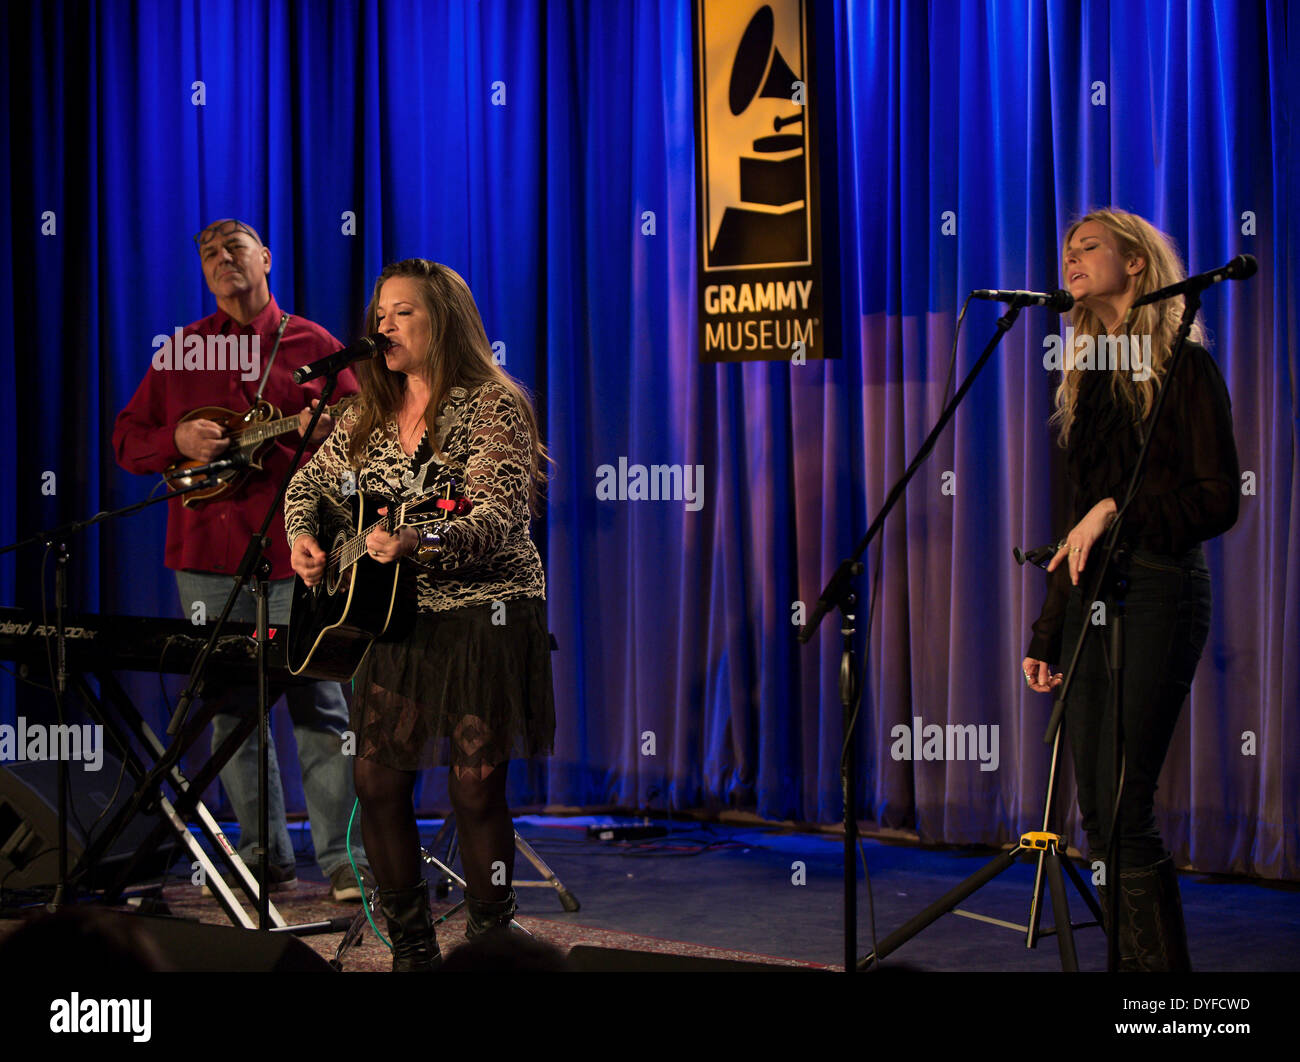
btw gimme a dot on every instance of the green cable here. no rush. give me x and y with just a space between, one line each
365 905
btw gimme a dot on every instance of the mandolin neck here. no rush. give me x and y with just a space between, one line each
256 434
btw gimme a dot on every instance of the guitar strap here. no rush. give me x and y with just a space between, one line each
284 321
414 479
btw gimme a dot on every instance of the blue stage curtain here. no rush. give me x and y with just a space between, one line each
678 680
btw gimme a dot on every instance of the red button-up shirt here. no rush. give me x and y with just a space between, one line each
212 536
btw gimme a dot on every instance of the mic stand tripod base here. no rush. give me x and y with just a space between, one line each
1051 853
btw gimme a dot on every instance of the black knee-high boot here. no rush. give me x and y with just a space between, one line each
1152 933
410 928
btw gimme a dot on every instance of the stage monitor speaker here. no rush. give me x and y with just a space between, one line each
197 947
85 938
586 959
29 823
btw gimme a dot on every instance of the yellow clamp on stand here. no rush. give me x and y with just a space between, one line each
1037 840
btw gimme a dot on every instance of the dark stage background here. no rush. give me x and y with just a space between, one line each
672 621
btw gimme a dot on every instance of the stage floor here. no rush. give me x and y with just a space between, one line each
773 895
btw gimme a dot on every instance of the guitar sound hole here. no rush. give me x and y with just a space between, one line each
333 573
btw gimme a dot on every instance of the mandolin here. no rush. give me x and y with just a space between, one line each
250 433
357 600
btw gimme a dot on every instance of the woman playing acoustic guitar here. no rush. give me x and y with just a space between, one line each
470 685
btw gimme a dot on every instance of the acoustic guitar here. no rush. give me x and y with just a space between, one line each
358 600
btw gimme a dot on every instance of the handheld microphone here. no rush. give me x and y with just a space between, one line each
1240 268
1058 301
365 347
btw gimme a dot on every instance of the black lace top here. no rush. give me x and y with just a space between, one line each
488 554
1192 486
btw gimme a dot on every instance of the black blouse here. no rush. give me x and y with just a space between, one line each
1192 485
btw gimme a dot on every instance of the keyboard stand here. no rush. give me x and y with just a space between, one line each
188 804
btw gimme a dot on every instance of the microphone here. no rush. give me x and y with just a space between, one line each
365 347
220 465
1038 556
836 590
1240 268
1058 301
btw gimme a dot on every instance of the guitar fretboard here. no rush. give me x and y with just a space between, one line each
343 557
353 549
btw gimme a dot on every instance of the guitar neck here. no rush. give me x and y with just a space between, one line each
355 548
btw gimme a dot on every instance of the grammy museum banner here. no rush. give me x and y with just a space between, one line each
758 230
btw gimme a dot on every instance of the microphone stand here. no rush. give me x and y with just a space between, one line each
1053 865
839 593
60 537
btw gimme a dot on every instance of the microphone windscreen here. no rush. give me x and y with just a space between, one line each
1243 266
1061 301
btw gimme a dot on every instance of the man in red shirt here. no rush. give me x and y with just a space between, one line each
246 350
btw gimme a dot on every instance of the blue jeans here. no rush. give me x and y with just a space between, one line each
320 718
1167 621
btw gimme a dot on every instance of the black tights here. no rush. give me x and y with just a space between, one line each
484 827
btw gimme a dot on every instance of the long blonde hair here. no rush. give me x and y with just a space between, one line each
458 355
1135 237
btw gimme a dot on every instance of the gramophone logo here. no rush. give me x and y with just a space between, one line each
757 180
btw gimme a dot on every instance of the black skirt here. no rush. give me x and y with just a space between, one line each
461 689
